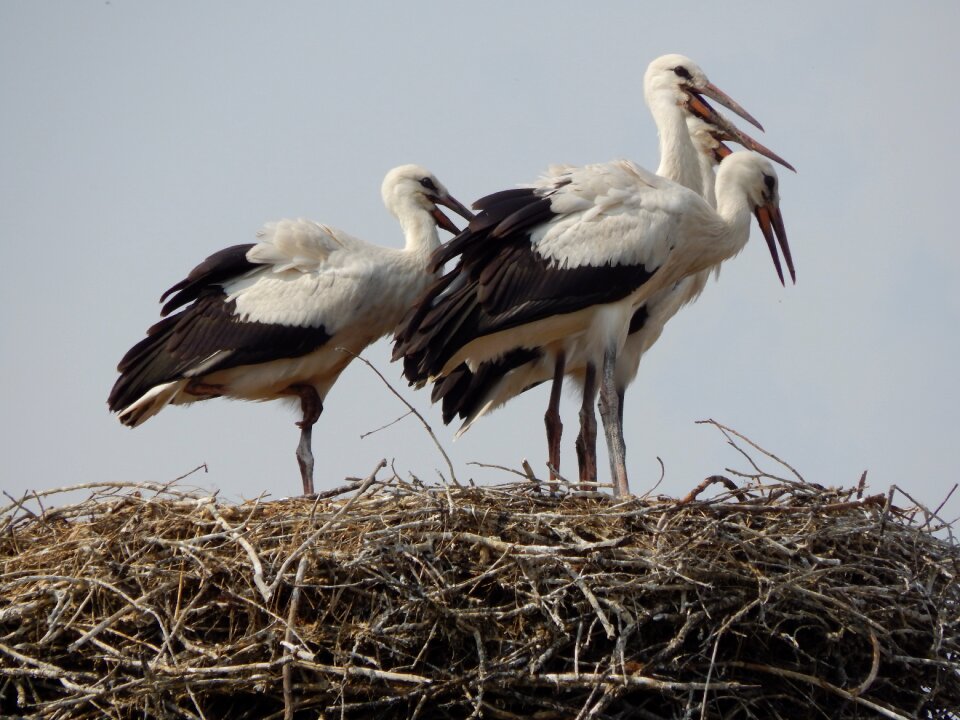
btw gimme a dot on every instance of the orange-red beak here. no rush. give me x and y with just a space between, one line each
771 224
715 93
442 220
726 131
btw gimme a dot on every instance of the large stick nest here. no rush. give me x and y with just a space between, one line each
775 599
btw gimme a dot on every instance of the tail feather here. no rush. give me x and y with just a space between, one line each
474 416
150 403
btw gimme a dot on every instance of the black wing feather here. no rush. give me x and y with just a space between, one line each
501 282
488 202
220 267
177 346
498 208
462 392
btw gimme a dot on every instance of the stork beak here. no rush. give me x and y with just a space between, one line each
721 150
771 224
715 93
442 220
724 130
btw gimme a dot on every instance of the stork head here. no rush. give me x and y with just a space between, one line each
412 185
680 79
755 177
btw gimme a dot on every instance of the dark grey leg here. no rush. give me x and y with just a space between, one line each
587 439
311 407
552 419
611 413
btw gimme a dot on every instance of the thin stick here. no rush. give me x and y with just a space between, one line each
202 466
818 682
426 425
724 429
713 662
936 513
289 704
258 580
364 436
592 599
712 480
663 474
874 666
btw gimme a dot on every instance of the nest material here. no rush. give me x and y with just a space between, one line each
778 599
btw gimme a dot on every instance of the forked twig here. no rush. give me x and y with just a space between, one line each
729 431
412 409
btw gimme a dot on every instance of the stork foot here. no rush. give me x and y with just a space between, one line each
310 404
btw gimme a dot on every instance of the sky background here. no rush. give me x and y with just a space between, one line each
137 138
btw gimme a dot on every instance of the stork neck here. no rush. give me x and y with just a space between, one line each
708 178
419 230
679 160
735 209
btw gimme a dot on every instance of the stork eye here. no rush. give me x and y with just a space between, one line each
681 71
429 184
770 182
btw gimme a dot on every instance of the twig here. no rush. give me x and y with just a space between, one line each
202 466
725 430
936 513
663 474
712 480
426 425
874 666
364 436
481 675
289 705
528 471
713 662
592 599
820 683
640 681
258 581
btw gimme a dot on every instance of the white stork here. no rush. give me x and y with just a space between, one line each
671 87
471 395
567 262
283 317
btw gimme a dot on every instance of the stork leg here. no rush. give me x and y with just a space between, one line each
587 439
611 413
311 406
552 419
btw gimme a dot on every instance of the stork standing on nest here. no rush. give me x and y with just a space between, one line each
670 89
471 395
283 317
566 263
673 87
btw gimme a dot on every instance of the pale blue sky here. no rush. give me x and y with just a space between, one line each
137 138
